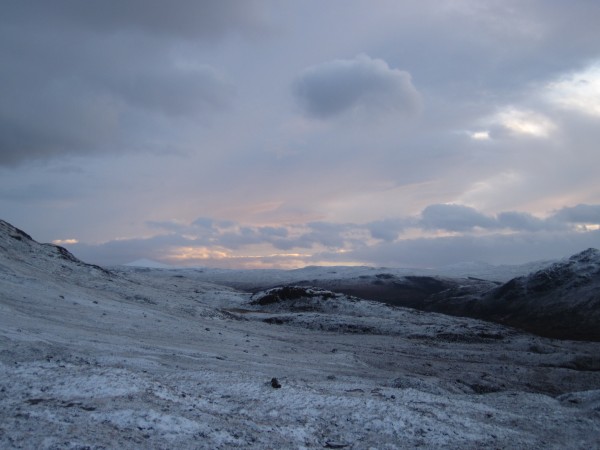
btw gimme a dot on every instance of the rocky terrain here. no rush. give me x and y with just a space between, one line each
155 358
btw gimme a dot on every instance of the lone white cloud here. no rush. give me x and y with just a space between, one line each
65 241
363 83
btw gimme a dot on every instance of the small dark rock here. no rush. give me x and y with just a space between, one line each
336 444
275 383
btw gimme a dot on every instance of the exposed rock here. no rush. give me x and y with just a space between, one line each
286 293
336 444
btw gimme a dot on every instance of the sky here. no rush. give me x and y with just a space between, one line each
258 133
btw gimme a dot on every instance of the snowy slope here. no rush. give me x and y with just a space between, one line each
154 358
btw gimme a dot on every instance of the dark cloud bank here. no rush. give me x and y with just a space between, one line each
98 77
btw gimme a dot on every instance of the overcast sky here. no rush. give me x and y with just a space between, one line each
282 134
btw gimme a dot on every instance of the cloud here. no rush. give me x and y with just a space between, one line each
187 19
122 251
65 241
186 92
511 121
387 229
523 221
171 226
546 109
527 123
493 249
577 91
232 235
402 241
40 120
104 77
172 90
454 218
363 83
581 214
41 194
327 234
461 218
214 224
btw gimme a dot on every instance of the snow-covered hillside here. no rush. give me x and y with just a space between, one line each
150 358
560 299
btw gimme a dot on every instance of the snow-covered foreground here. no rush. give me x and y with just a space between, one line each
158 359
